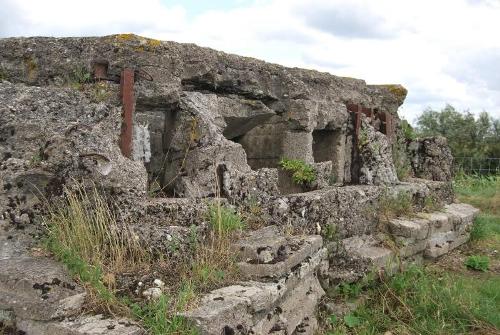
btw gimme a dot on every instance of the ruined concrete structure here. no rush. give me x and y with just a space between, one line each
166 127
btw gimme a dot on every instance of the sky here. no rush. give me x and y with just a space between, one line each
442 51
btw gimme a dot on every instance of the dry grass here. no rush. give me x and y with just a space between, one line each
84 234
86 225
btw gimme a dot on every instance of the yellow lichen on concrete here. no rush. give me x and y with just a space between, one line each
153 43
126 37
144 43
399 91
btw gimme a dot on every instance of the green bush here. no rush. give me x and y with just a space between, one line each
478 263
302 173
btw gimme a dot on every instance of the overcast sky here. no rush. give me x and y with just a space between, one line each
443 51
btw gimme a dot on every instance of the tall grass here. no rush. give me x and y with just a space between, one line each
420 301
85 225
83 233
214 261
480 191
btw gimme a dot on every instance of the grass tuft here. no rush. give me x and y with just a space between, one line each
86 226
395 205
478 263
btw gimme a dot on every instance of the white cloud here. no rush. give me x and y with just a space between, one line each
443 51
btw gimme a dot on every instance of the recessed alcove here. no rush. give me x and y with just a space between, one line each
324 145
161 120
262 145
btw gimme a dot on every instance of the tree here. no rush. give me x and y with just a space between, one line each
467 136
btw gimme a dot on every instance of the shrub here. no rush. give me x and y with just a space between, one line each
302 173
478 263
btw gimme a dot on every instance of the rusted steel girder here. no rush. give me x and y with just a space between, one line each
386 119
127 95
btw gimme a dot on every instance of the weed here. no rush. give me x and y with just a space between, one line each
350 290
224 220
302 173
79 77
3 76
157 317
31 66
103 299
395 205
403 171
86 225
193 237
351 320
329 232
478 263
431 204
480 191
213 262
35 160
362 138
479 228
252 213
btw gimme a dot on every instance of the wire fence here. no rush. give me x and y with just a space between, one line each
477 165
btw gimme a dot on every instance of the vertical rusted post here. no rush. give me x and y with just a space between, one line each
127 94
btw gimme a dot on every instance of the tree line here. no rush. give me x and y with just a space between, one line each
468 136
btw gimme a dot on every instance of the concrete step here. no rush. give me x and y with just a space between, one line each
263 307
82 325
434 234
266 253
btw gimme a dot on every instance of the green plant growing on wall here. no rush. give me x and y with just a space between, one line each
302 173
329 232
3 75
362 138
79 76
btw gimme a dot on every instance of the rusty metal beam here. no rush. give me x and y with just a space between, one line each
127 95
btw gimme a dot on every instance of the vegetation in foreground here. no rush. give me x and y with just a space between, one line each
458 295
84 234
